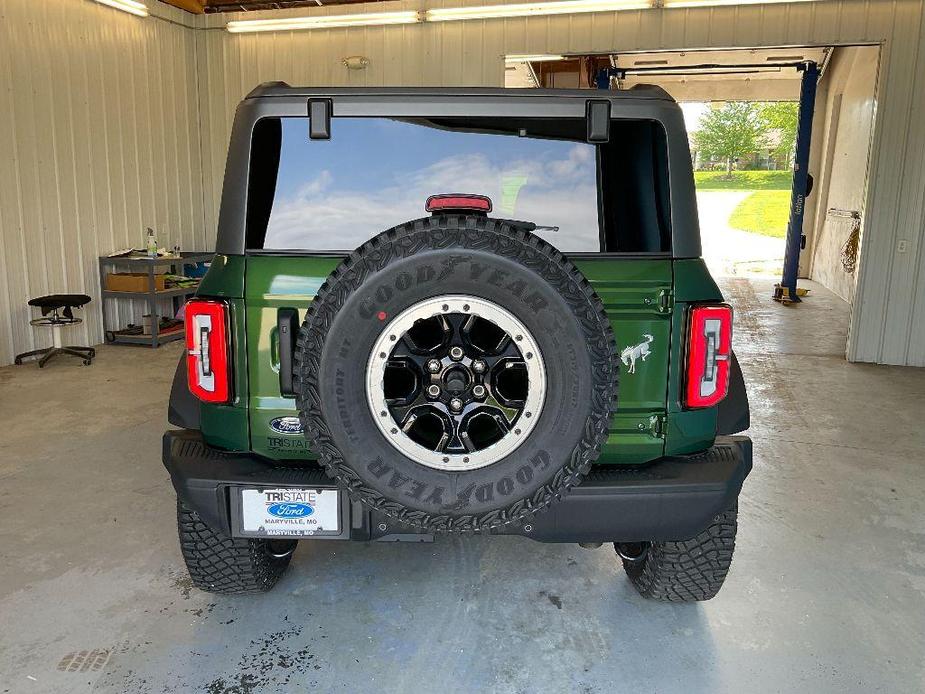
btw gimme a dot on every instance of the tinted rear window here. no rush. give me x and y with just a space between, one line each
376 173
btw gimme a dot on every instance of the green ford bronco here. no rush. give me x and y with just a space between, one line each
438 311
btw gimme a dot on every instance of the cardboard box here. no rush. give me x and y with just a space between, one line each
133 282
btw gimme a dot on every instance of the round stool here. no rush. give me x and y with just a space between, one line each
51 304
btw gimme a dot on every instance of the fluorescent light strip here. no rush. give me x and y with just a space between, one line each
530 9
532 58
325 22
726 3
131 6
450 14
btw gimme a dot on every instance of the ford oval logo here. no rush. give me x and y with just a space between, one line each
286 425
290 510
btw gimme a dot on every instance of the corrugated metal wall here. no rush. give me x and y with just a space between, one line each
99 138
842 139
889 319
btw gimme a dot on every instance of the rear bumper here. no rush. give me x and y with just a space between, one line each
670 499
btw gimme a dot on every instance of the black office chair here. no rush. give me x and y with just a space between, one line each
52 303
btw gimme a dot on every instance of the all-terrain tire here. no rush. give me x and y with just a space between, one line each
226 565
690 570
437 256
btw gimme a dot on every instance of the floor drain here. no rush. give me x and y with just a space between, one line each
85 661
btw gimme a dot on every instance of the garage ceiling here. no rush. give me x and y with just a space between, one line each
739 74
209 6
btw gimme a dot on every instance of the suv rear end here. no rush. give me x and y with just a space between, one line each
561 256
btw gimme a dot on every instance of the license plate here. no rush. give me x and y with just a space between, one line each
290 512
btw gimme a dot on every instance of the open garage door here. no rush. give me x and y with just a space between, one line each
747 205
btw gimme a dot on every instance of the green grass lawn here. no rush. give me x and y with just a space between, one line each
763 212
743 180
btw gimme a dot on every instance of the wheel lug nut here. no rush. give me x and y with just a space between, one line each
456 353
479 366
456 404
433 390
478 391
433 366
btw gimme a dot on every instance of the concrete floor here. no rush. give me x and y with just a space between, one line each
826 593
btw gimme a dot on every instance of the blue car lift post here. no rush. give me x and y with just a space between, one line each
786 291
604 75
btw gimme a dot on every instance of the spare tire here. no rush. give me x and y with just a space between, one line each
457 373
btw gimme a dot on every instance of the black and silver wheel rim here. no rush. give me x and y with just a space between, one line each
455 382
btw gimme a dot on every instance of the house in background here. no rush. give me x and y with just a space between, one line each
767 158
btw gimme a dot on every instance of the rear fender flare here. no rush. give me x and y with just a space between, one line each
733 414
183 409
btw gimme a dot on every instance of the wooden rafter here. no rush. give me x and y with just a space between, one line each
200 6
194 6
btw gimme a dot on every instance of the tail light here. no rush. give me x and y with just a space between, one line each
207 350
708 353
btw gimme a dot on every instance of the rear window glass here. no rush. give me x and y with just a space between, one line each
376 173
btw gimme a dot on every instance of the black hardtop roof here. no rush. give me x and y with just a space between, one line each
273 100
637 92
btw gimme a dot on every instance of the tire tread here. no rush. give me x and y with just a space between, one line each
225 565
690 570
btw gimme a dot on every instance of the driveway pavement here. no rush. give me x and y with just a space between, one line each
728 251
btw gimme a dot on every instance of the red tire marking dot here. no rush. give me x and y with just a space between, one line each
382 315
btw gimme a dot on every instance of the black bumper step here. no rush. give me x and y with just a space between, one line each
672 498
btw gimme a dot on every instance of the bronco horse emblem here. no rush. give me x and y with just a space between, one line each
640 351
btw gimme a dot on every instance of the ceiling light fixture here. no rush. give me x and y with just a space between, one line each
449 14
532 58
719 3
131 6
324 22
530 9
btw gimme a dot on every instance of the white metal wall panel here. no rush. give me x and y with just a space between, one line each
99 138
903 338
883 320
843 139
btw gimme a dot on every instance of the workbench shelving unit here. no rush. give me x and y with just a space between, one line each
148 266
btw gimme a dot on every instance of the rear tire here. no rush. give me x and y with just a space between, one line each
687 571
226 565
